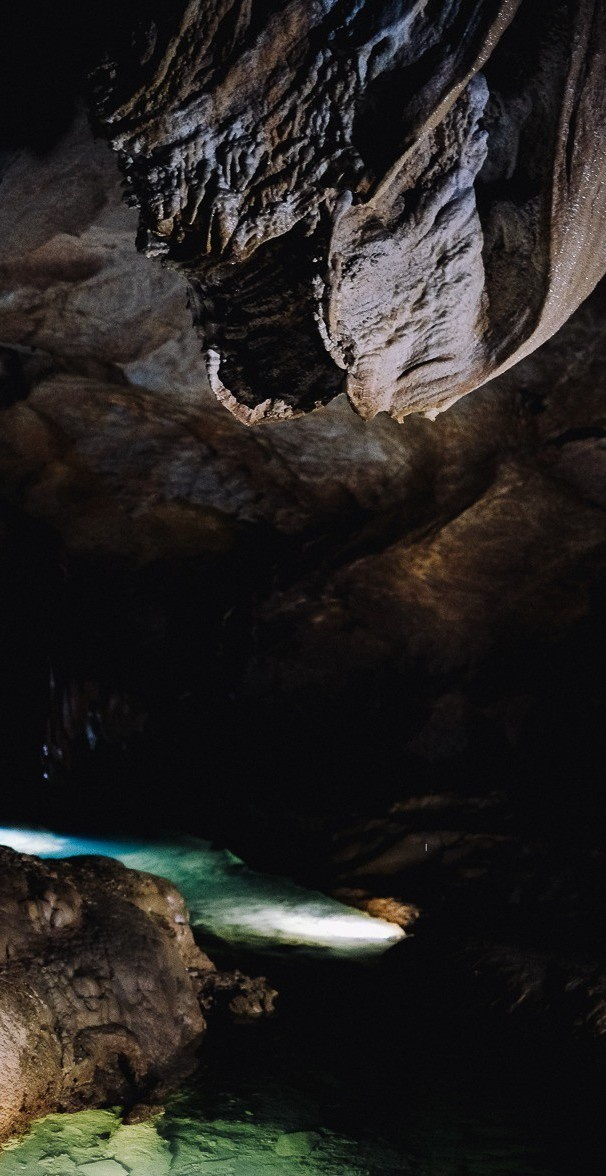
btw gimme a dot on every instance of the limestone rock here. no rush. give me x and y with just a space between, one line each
392 201
102 986
395 200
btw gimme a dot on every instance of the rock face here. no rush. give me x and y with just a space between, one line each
340 639
397 586
395 200
102 988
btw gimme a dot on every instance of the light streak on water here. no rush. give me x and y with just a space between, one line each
228 900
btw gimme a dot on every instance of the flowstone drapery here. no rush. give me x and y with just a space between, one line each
395 199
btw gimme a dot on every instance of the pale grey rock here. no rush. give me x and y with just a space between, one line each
73 291
395 200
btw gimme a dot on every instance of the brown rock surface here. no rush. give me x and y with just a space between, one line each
102 988
355 576
310 625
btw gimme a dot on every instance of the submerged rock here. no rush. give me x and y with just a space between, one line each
103 991
296 1143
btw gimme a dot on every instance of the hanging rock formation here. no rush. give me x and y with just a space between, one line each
392 199
375 205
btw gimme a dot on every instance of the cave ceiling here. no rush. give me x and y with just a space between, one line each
393 201
303 431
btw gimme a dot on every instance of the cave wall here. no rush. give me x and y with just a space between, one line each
358 644
387 592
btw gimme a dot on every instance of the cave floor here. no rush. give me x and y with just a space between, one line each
371 1065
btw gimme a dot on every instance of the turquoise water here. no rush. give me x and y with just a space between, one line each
364 1071
227 900
183 1143
253 1111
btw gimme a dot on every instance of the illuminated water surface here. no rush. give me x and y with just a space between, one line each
347 1080
227 900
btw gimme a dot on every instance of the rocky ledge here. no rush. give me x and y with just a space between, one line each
104 995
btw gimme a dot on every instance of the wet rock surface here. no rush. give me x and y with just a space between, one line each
390 1078
363 653
103 992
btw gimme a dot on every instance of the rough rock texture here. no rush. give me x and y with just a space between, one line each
501 891
395 200
404 622
102 988
323 630
363 575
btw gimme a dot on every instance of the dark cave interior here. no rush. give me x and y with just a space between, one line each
361 647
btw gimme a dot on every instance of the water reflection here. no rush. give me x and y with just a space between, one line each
364 1071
